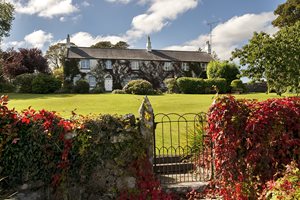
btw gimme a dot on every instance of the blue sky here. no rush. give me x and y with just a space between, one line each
172 24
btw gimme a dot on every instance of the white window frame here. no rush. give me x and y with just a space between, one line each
108 64
168 66
203 66
135 65
185 67
85 64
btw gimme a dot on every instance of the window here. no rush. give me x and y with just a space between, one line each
85 64
168 66
135 65
92 81
185 67
203 66
108 64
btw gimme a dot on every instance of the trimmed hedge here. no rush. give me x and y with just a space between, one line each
189 85
44 84
81 87
237 86
140 87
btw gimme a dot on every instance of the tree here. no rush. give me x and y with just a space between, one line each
56 54
222 69
108 44
288 13
23 61
6 18
103 44
275 59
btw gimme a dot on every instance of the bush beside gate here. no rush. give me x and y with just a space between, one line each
253 141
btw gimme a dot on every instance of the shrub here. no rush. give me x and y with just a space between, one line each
23 83
140 87
82 87
172 86
257 86
220 84
237 86
118 92
6 87
253 141
44 84
191 85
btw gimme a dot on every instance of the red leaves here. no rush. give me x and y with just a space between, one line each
252 141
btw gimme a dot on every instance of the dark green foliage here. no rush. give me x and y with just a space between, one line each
23 83
218 69
44 84
82 87
140 87
219 85
237 86
172 86
71 69
287 13
257 86
191 85
6 87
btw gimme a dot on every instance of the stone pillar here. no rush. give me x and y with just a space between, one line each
147 125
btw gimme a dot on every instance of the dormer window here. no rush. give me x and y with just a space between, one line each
85 64
185 67
135 65
108 64
168 66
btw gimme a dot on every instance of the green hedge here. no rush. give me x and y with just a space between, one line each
44 84
82 87
220 84
237 86
141 87
202 86
23 83
172 85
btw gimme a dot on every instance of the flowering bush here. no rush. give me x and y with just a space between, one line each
252 142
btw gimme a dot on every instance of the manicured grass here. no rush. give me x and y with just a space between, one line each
117 103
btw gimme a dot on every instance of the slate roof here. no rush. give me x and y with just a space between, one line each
138 54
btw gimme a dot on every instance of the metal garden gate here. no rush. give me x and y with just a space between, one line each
182 151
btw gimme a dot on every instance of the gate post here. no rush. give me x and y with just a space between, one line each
147 125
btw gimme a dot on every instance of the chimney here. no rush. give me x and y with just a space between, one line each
68 44
208 47
148 45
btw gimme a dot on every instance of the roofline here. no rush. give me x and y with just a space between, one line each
140 49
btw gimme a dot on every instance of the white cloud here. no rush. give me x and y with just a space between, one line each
84 39
160 13
36 39
232 34
85 4
45 8
119 1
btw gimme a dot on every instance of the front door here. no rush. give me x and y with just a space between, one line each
108 83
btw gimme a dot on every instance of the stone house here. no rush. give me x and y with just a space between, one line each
122 65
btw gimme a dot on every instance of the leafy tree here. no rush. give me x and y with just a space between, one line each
222 69
288 13
103 44
276 58
56 54
34 60
108 44
121 45
6 18
12 64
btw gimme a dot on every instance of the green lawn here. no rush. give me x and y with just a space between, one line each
117 103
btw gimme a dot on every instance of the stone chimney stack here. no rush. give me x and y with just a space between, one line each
208 47
148 45
68 44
